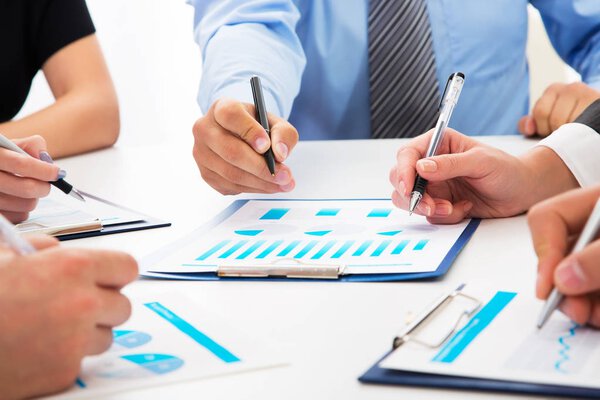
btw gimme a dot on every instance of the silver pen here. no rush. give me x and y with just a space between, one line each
590 231
13 238
60 184
449 99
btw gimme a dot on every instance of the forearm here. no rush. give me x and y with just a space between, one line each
83 120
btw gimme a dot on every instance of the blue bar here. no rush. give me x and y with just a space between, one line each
193 333
250 232
421 244
474 327
328 212
324 250
80 383
275 213
363 247
213 250
269 249
289 248
233 249
306 249
400 247
343 249
381 248
379 213
251 249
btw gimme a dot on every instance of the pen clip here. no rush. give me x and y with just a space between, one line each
445 90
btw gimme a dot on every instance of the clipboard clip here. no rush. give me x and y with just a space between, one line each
282 268
410 332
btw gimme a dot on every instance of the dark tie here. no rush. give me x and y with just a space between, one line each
403 84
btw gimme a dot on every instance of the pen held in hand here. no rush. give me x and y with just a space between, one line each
262 118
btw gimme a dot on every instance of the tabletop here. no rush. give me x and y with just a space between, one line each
330 333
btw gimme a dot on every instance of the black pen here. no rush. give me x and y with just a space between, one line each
261 117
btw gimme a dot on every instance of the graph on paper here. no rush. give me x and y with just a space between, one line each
364 236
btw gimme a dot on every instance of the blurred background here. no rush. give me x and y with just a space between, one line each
156 67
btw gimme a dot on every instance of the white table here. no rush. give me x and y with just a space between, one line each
329 332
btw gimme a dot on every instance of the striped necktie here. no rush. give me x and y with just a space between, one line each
403 84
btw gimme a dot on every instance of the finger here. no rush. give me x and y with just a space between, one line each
26 166
115 308
284 137
453 214
113 269
579 273
229 188
594 319
577 308
17 204
41 242
101 338
543 109
470 164
425 206
25 188
15 217
527 126
33 145
405 170
562 110
238 119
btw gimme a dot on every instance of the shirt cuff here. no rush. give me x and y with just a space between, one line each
594 84
578 146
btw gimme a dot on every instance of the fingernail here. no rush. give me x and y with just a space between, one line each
61 174
282 150
569 274
538 283
427 165
443 210
424 209
45 157
402 188
289 187
261 145
468 207
282 177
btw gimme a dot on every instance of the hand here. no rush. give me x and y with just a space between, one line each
472 179
58 305
560 104
228 149
554 225
23 179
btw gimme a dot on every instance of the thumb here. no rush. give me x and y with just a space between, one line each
579 273
448 166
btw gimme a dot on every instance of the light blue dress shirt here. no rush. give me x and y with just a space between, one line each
312 57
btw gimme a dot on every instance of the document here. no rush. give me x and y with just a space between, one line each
500 341
360 236
169 339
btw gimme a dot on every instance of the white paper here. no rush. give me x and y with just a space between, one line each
362 236
150 350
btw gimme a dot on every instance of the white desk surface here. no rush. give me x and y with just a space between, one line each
329 332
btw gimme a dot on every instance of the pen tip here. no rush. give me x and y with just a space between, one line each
77 195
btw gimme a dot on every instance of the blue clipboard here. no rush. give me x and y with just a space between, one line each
236 205
383 376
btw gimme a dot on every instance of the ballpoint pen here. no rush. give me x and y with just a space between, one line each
449 99
590 231
261 116
60 184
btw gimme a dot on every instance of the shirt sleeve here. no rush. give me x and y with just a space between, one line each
574 29
60 23
242 38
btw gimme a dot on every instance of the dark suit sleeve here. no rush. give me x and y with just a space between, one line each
591 116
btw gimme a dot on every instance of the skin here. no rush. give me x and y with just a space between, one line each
58 305
23 179
555 223
560 104
229 145
85 115
470 179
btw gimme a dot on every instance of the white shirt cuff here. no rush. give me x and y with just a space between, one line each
578 146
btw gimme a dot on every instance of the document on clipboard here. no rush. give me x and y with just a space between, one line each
67 218
479 338
351 239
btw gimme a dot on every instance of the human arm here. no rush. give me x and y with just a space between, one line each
58 305
554 224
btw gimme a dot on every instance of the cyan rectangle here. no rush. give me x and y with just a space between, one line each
343 249
188 329
270 249
288 248
306 249
251 249
379 213
328 212
401 246
213 250
363 247
275 213
421 244
323 250
233 249
463 338
382 246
